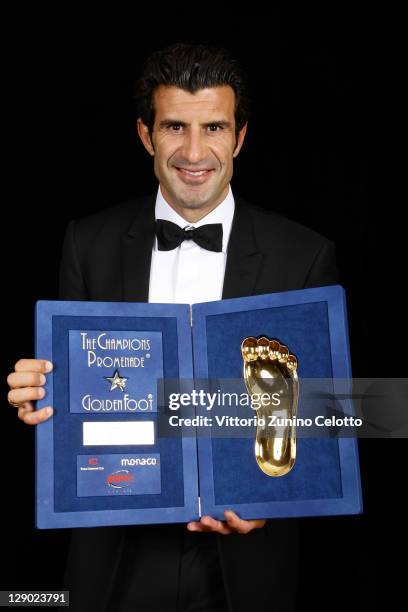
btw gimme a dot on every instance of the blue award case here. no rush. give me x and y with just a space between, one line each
105 457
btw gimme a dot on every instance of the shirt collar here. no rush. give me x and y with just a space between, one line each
223 213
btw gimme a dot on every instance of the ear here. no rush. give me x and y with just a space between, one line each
144 135
241 136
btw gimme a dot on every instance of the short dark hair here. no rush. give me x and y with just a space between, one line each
191 67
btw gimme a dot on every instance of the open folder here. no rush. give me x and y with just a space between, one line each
114 452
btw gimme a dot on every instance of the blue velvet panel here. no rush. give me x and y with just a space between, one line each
325 478
68 426
316 474
59 439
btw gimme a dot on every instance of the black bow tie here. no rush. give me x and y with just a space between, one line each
169 235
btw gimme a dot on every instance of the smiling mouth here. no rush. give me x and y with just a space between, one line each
193 177
193 172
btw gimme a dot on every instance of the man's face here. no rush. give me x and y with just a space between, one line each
193 133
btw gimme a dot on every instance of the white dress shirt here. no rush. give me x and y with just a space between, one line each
189 273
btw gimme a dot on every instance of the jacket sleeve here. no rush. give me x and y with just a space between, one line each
71 282
323 270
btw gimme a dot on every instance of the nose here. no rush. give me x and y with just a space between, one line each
194 148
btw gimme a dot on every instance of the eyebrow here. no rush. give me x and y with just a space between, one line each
168 122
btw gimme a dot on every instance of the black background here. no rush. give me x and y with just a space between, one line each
319 97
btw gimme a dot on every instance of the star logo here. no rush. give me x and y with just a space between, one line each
117 381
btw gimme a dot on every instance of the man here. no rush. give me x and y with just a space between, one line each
193 117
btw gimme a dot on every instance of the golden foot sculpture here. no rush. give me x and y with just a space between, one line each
270 369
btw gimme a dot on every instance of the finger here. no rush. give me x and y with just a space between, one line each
221 527
34 417
211 524
208 525
236 523
25 407
25 379
240 525
33 365
198 526
19 396
194 526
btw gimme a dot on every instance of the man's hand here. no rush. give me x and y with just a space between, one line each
26 386
232 524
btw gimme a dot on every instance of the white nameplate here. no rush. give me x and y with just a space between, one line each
114 433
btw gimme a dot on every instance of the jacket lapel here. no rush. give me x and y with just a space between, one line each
243 256
137 244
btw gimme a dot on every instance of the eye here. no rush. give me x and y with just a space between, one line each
175 127
214 125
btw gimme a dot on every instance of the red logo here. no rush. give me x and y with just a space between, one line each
93 461
119 479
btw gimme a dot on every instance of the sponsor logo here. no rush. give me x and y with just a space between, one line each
140 461
92 465
120 479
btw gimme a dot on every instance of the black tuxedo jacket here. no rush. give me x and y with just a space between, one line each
106 257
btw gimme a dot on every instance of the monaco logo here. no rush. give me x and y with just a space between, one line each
139 461
120 479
